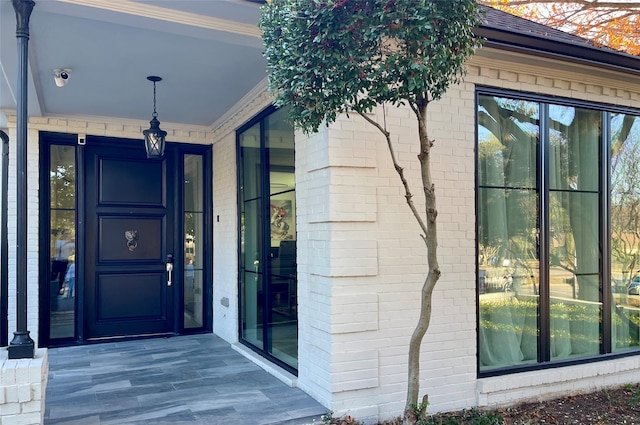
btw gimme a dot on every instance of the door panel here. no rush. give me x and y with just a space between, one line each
143 300
127 239
125 181
129 234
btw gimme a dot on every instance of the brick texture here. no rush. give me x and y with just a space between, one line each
22 388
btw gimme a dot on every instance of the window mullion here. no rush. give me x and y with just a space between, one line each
544 310
605 234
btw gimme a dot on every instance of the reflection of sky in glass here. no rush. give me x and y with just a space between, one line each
625 157
485 136
616 127
529 128
529 109
562 114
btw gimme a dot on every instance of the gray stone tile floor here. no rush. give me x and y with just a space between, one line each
196 379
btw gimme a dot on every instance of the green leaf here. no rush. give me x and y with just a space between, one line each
324 57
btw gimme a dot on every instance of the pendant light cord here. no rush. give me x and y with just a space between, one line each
155 114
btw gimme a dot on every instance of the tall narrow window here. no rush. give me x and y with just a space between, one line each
193 223
62 270
625 231
508 261
574 231
251 246
268 288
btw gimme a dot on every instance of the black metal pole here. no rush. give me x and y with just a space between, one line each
22 346
4 242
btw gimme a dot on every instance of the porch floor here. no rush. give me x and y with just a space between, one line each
195 379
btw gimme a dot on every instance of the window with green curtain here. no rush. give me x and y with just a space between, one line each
508 263
624 201
541 232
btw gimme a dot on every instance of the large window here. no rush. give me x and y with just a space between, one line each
557 237
267 208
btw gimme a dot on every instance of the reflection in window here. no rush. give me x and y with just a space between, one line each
625 231
193 296
511 206
571 232
268 279
62 269
574 231
507 231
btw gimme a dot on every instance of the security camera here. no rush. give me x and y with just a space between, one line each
61 76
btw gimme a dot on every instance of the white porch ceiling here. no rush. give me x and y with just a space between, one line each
208 53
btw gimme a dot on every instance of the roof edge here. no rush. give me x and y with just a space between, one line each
557 49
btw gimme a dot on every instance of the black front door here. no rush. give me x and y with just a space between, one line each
129 234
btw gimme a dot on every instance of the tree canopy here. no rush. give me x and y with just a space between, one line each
327 57
615 24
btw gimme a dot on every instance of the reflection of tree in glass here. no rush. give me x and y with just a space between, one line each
63 187
508 225
574 156
625 197
62 177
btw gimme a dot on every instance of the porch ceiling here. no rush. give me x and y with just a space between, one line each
208 53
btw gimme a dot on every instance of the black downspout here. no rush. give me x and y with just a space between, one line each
22 346
4 243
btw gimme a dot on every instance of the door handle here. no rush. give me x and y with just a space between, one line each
169 269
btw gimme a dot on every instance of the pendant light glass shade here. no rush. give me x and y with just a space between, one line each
154 137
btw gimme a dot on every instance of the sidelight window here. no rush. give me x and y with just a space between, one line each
61 274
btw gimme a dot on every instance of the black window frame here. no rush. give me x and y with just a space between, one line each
264 195
606 350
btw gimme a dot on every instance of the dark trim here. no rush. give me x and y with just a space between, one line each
476 180
265 243
556 100
208 248
46 139
207 252
4 242
544 291
81 239
258 118
532 45
604 163
177 251
532 367
605 235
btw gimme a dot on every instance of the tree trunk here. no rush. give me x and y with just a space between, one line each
430 239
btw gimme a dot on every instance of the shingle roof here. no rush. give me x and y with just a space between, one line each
502 20
505 31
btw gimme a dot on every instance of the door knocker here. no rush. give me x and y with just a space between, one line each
132 239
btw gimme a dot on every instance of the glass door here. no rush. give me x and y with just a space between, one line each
268 278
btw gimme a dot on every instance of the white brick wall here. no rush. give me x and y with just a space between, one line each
225 237
32 230
225 231
362 262
22 389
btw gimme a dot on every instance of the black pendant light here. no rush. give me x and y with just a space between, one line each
154 137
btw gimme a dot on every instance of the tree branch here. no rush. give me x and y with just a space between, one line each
407 192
